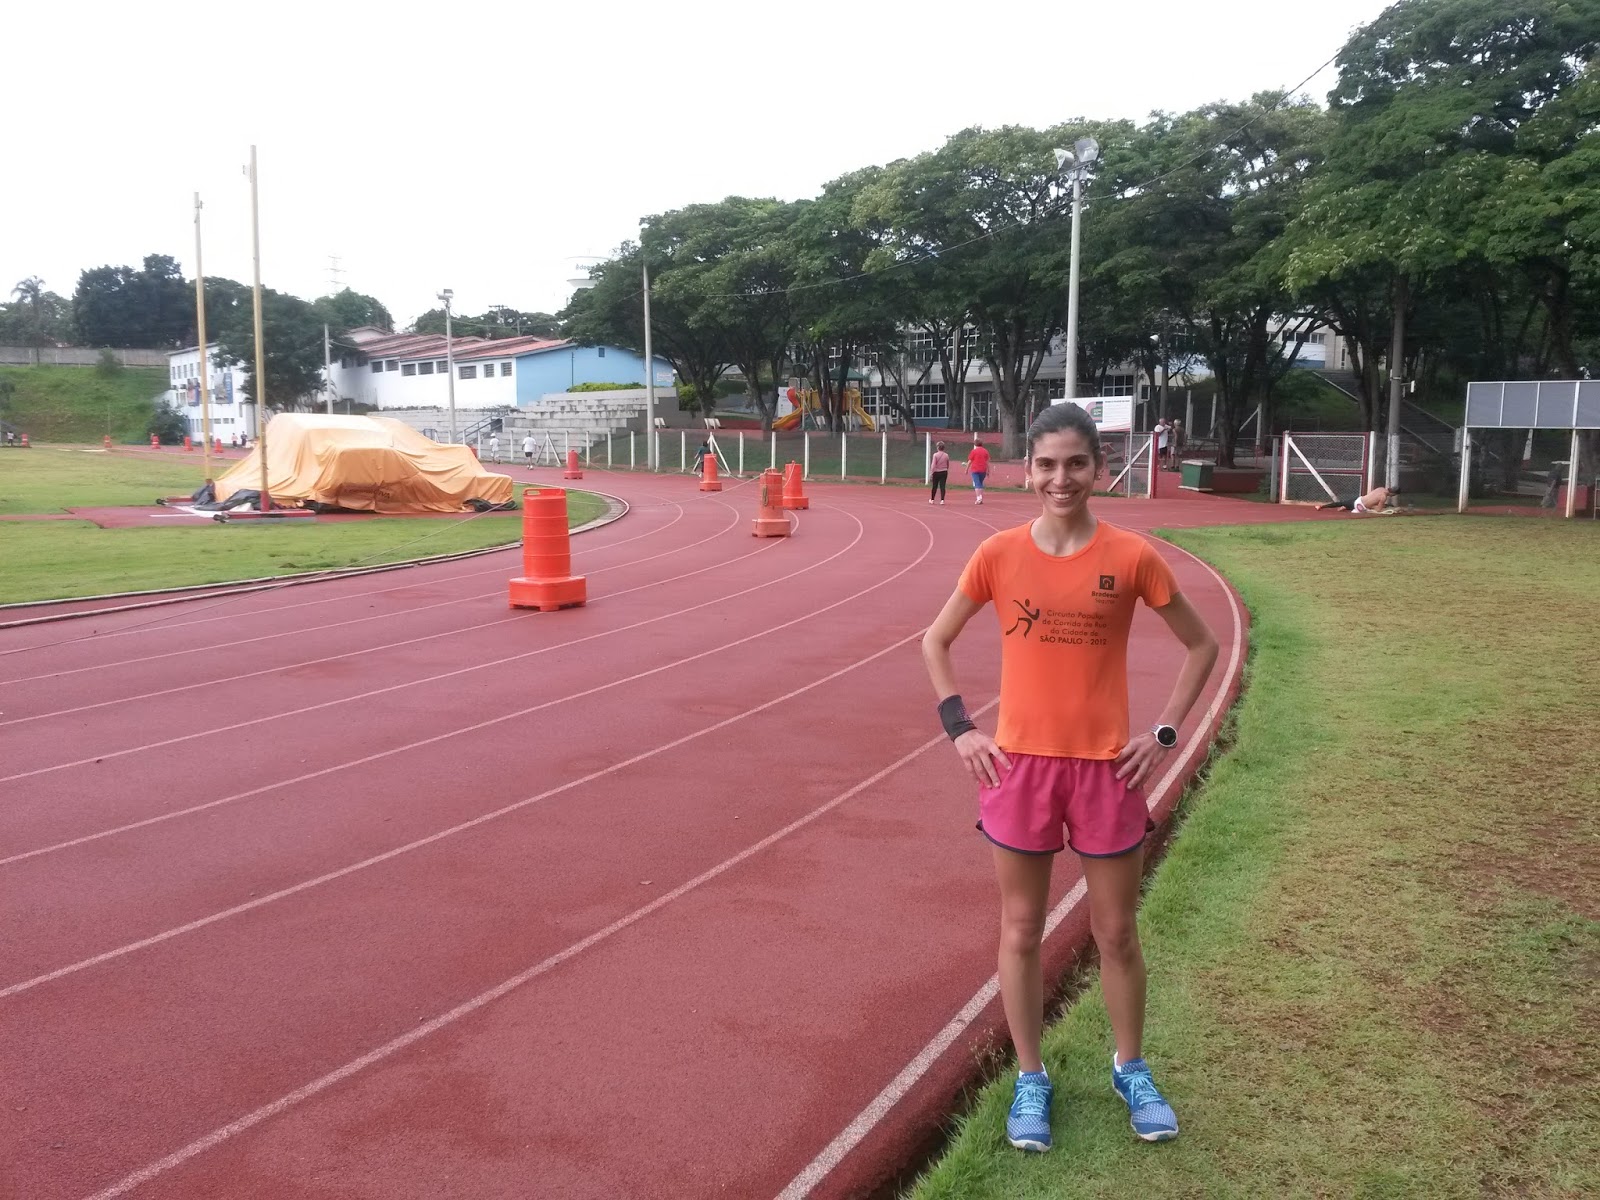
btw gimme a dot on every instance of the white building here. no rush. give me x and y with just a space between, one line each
230 414
411 370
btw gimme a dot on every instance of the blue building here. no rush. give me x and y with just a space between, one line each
557 368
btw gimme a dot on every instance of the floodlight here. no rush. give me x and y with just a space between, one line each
1063 158
1088 150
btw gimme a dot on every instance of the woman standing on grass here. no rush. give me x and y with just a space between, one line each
1064 587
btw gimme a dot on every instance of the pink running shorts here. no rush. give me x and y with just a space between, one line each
1102 815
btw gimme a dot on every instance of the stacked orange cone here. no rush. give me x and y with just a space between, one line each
106 441
573 471
547 582
708 474
794 490
155 442
770 521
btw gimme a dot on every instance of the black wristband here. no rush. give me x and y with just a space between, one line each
953 716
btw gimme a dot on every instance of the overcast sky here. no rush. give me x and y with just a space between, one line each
485 148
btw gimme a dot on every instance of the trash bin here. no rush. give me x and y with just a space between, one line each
1196 475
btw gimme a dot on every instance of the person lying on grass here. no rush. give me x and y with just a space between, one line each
1064 587
1375 501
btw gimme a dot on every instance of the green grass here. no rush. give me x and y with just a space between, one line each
47 560
80 404
53 479
1374 943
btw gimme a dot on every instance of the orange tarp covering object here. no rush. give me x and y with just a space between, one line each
369 463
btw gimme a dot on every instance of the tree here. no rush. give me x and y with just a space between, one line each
346 310
611 312
497 322
150 308
35 317
293 333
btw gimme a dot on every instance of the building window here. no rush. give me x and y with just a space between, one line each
927 402
408 368
1117 385
505 368
468 372
600 351
442 367
391 364
377 368
425 368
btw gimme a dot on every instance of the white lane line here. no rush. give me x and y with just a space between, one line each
303 630
157 625
217 1136
884 1102
166 935
496 662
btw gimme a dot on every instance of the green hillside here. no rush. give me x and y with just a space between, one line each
80 404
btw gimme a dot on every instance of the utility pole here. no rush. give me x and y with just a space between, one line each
261 352
1397 357
205 358
327 366
649 380
449 360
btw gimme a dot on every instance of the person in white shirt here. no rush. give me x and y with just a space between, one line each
527 449
494 447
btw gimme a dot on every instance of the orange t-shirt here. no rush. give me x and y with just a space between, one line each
978 459
1064 636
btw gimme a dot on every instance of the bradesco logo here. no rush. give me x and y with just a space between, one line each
1106 593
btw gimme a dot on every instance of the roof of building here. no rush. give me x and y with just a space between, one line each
509 348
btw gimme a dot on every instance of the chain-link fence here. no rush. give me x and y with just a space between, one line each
1323 468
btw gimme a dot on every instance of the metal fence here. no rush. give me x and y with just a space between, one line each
1322 468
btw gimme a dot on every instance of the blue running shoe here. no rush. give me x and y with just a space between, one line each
1151 1116
1028 1122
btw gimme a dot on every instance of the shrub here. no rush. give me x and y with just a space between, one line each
603 387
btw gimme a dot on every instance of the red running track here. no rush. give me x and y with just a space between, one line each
376 888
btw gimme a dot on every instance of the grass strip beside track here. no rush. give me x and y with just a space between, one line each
48 560
1374 943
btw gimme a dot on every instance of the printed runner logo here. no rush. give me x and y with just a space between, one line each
1026 620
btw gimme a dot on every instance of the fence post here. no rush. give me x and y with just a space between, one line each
741 454
883 466
1274 481
1466 469
633 461
683 449
657 435
927 459
588 449
773 465
844 447
608 449
566 442
805 471
1370 477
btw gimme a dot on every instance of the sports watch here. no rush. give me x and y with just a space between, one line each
1166 736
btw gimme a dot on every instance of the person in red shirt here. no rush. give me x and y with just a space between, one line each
1062 770
978 468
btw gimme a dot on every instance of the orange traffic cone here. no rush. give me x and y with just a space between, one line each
794 490
573 471
216 446
106 441
770 521
25 445
155 442
188 442
547 582
708 474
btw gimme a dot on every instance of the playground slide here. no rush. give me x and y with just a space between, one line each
791 421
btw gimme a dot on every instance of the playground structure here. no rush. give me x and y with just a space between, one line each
808 414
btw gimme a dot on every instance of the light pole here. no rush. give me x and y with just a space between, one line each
449 360
1077 160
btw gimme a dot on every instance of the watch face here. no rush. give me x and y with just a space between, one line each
1166 735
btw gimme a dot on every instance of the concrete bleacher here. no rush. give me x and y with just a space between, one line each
583 418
